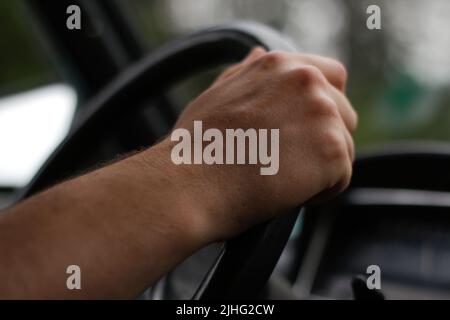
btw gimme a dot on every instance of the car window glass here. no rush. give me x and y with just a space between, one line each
36 108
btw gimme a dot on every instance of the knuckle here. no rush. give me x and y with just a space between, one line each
333 146
341 70
321 105
341 74
355 120
270 60
346 177
307 76
351 149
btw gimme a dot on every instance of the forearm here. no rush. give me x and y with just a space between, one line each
125 225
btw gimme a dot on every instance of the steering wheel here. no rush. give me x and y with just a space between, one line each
245 263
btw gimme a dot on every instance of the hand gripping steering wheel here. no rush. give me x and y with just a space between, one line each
246 262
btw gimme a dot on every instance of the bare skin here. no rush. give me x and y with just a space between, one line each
129 223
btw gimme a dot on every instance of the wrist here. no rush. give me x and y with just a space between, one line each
177 192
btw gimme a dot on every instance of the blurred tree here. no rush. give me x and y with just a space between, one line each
23 63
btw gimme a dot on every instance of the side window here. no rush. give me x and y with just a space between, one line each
36 107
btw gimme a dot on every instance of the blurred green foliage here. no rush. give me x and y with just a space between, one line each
23 63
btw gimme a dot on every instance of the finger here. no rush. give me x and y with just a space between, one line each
344 108
253 55
348 114
350 145
333 70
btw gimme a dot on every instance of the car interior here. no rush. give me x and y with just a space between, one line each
71 100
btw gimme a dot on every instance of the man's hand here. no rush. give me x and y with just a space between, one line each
302 96
129 223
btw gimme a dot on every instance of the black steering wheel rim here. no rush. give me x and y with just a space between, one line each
246 262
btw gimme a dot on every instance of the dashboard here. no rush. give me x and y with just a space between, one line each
406 233
394 216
